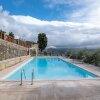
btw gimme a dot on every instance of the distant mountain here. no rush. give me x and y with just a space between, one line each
62 50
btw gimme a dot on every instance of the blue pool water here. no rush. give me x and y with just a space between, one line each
50 68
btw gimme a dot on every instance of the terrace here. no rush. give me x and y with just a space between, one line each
68 89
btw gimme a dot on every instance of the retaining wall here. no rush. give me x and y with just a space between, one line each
10 50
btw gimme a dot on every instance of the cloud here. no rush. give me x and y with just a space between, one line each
87 11
56 3
1 8
64 33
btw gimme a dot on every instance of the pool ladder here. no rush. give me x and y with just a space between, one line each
23 73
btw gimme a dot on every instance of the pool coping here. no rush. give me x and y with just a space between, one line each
17 66
65 59
81 67
51 80
17 69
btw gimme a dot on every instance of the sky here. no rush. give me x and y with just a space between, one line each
67 23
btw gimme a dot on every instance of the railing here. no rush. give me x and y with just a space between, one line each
32 77
23 73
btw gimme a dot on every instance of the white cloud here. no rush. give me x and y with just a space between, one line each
55 3
70 34
87 11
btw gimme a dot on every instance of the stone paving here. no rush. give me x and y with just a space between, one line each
51 90
78 89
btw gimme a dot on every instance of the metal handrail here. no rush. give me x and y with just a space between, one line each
32 77
22 72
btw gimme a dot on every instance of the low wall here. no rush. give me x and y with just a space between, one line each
10 62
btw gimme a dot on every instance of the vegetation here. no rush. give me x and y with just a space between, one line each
86 55
11 34
42 41
93 58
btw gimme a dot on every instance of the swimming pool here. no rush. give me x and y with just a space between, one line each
50 68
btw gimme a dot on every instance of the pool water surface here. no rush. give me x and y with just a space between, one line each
50 68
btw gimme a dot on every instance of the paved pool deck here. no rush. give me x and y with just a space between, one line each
74 89
51 90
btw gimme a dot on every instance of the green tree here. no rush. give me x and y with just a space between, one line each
89 58
96 58
11 34
93 58
81 54
42 41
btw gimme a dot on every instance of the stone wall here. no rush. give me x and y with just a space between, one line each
11 50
